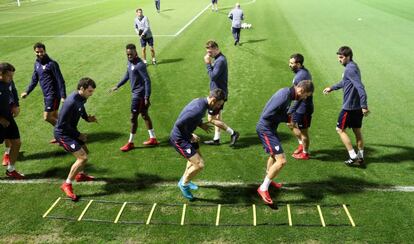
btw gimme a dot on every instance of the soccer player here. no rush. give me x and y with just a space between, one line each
236 16
68 136
47 73
14 106
354 106
186 143
141 91
8 126
158 5
274 113
218 74
300 112
143 30
214 5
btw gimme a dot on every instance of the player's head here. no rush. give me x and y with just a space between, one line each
6 72
304 89
86 87
216 99
344 55
139 12
212 48
131 52
237 5
40 50
296 61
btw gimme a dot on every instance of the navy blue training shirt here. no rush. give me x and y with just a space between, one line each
188 120
302 106
72 110
276 109
5 94
218 73
355 96
47 73
139 79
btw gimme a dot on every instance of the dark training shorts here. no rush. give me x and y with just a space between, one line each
350 119
185 148
271 142
69 144
11 132
302 120
51 104
138 105
145 41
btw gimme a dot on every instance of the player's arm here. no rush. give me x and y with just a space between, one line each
32 85
215 71
4 122
337 86
147 83
230 15
88 118
206 126
146 26
59 78
15 95
356 82
121 82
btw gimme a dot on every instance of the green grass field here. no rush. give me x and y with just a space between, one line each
87 38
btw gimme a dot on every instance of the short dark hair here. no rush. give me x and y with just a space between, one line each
218 94
211 44
131 46
307 85
138 9
345 51
86 82
39 45
298 58
6 67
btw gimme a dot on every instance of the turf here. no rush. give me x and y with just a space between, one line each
88 39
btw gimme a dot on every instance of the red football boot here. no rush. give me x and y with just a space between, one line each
127 147
151 142
84 177
301 156
299 149
15 175
265 196
67 189
6 159
276 185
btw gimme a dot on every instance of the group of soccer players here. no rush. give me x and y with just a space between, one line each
292 105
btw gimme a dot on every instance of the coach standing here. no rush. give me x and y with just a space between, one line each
236 15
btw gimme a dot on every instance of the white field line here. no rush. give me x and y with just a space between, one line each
53 12
209 183
115 36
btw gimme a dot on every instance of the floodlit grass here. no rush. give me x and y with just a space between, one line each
87 38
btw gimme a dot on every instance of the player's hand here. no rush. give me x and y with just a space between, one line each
365 112
327 90
4 122
207 59
195 138
92 118
15 111
207 127
147 102
23 95
113 89
83 137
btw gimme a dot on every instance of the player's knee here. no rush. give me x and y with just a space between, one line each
339 130
145 116
200 165
134 119
16 143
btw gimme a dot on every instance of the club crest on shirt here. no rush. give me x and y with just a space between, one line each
80 109
73 146
188 150
43 67
132 67
277 148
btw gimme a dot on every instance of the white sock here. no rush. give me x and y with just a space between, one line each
352 154
68 181
361 153
300 142
216 135
10 167
304 150
131 137
7 151
230 130
145 61
153 59
265 185
151 133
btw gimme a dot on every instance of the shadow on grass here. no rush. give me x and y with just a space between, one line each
167 10
253 41
169 60
313 191
373 154
105 136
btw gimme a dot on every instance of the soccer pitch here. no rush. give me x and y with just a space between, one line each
88 38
